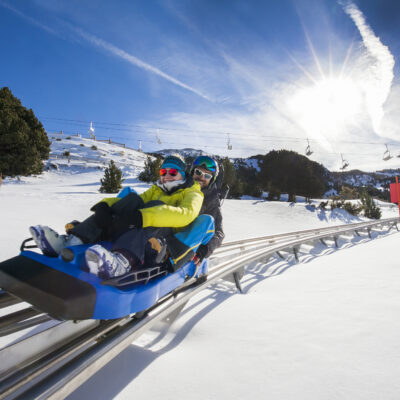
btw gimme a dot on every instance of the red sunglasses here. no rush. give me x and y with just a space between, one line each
170 171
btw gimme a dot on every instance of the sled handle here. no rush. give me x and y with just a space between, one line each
24 246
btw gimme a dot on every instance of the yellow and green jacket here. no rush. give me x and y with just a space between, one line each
182 205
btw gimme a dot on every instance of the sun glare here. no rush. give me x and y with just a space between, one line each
326 108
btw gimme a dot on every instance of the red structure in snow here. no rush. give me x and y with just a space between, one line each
395 193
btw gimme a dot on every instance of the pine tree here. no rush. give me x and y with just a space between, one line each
348 193
371 210
151 170
23 140
231 179
112 180
292 173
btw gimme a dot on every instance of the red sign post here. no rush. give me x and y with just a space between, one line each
395 193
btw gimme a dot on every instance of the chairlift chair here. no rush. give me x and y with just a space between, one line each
386 155
158 137
229 143
308 149
345 163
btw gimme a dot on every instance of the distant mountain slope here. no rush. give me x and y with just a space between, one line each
78 154
186 152
81 154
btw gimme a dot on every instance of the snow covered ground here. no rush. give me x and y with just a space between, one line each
326 328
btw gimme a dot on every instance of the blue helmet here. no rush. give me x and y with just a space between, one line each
208 163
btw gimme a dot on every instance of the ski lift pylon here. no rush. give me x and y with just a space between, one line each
345 163
91 130
308 149
386 155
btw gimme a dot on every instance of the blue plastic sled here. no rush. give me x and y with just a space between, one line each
67 291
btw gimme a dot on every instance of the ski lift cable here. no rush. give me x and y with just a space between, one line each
263 139
258 135
214 146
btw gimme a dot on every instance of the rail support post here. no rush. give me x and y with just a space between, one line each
235 278
335 238
280 255
296 252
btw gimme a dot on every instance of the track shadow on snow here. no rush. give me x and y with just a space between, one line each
130 363
337 215
257 272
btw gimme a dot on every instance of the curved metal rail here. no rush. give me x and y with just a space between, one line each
55 371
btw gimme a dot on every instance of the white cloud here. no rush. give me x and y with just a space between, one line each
378 76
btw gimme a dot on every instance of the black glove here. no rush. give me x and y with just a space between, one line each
102 215
202 251
71 225
136 219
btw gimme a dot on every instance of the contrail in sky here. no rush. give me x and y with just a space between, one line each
381 72
116 51
108 47
28 18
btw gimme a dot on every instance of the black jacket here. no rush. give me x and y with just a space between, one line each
211 206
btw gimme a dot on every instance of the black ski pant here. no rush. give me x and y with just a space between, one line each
107 223
113 224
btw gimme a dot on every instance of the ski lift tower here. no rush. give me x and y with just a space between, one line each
91 131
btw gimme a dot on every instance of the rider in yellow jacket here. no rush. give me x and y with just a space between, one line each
130 220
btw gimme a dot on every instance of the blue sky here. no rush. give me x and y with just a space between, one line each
260 75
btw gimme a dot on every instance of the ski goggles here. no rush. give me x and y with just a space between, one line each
169 171
206 162
199 172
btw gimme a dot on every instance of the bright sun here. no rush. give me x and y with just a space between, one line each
326 108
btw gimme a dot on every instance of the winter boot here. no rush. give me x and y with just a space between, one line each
50 242
106 264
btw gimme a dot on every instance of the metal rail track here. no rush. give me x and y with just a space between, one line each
56 369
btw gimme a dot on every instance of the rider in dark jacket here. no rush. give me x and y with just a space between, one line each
205 171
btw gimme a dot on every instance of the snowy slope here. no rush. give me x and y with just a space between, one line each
326 328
